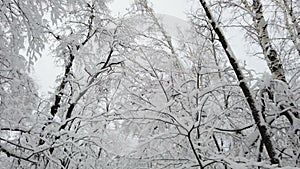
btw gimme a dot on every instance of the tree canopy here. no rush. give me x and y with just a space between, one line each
137 92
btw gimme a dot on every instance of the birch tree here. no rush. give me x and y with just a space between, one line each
136 93
257 116
266 43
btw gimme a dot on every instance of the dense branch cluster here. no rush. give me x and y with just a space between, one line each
138 92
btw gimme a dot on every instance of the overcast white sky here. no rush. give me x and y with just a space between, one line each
171 7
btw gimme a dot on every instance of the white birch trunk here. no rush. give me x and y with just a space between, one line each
256 114
271 57
270 53
293 28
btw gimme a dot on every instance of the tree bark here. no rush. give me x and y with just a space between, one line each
293 28
270 53
256 114
271 57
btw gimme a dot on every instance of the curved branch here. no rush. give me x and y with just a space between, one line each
193 148
238 131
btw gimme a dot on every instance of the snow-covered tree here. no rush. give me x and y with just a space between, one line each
145 91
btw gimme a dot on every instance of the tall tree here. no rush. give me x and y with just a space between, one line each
257 116
136 93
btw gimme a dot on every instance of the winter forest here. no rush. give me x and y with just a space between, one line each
132 94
